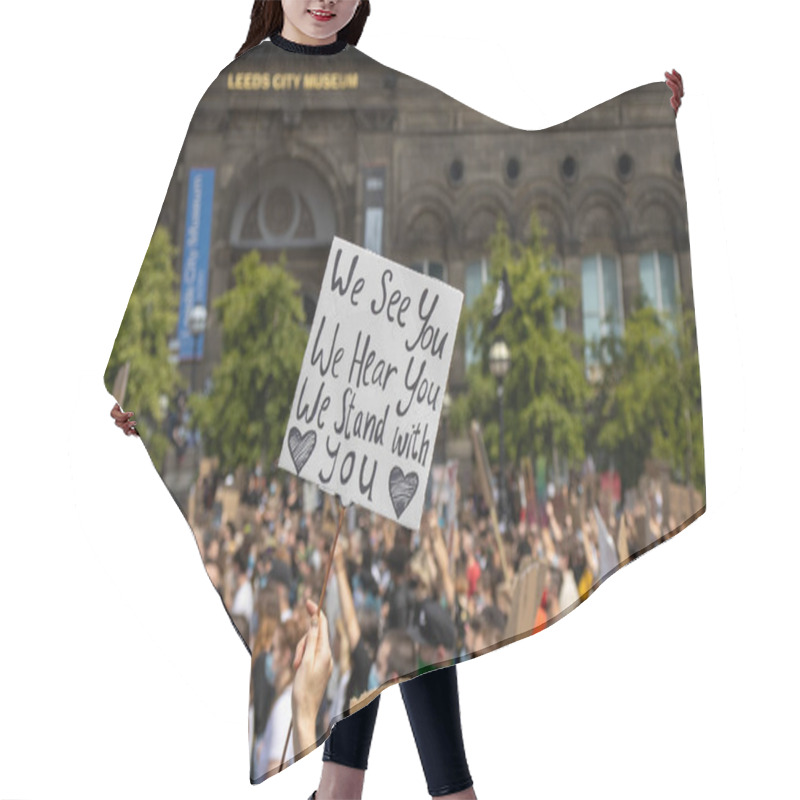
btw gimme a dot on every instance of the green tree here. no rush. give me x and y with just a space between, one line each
545 389
648 401
242 418
143 339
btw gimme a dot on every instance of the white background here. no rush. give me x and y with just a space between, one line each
120 673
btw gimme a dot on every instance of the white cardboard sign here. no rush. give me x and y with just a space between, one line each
367 404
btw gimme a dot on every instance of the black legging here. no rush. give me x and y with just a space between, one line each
432 706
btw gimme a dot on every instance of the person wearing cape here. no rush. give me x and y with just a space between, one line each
571 248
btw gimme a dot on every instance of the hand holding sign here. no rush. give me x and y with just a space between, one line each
313 665
368 400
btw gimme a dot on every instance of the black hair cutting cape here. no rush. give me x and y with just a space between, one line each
570 244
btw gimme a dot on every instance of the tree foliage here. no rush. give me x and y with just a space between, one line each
545 389
648 402
143 339
242 418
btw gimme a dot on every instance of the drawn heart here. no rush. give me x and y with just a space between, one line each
401 489
301 446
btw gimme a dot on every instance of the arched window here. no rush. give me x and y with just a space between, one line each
601 301
659 279
291 207
433 269
476 276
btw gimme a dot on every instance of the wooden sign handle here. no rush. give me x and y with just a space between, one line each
319 608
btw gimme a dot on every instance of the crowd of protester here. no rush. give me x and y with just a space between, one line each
398 601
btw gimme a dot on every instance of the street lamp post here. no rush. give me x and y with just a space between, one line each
174 349
197 325
499 364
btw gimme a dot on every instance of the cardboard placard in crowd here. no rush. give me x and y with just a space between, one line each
526 596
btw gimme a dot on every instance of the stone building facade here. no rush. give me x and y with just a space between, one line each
376 157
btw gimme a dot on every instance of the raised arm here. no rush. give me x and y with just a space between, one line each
622 538
587 545
556 528
547 539
441 560
346 599
313 665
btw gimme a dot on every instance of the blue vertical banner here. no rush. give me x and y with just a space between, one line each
196 247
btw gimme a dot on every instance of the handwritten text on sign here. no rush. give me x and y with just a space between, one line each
367 404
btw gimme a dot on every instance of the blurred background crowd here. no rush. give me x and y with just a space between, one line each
398 601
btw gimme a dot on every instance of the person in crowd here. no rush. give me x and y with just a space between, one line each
399 603
396 658
361 648
280 575
473 566
177 426
568 594
243 599
279 668
262 691
435 634
491 629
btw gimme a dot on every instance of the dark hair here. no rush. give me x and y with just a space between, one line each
402 657
397 560
368 622
403 536
290 635
263 694
241 559
368 583
268 608
266 19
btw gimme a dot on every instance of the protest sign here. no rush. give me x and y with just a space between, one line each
368 400
484 479
527 587
680 503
